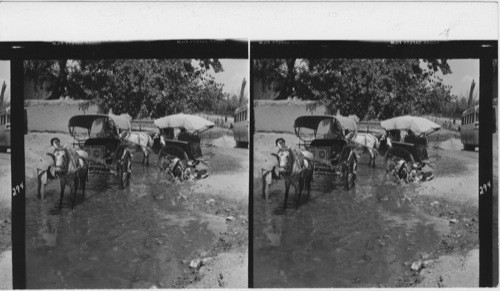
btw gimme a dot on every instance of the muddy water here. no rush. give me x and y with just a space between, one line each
356 238
136 237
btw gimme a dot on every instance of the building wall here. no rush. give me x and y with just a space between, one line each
53 115
279 116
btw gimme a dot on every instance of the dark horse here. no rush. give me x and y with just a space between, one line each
296 169
71 167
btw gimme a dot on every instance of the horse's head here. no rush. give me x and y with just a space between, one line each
124 134
60 157
158 142
285 162
387 139
350 135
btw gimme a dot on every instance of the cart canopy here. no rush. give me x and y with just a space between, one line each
122 121
418 125
191 123
313 121
86 120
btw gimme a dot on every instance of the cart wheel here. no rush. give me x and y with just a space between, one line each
125 172
400 154
352 168
176 151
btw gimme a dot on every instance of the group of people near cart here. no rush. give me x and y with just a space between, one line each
178 155
406 163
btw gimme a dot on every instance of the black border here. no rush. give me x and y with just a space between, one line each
250 182
17 176
17 52
485 51
172 49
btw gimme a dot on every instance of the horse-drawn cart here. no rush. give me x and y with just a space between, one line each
97 134
335 162
413 147
187 145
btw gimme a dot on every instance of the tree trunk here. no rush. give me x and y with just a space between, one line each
287 87
59 86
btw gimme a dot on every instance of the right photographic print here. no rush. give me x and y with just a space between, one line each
368 164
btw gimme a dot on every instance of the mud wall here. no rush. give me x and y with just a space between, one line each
53 115
279 116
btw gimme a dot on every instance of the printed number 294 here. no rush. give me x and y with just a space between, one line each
483 188
17 189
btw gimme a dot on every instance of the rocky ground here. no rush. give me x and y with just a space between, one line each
226 195
452 196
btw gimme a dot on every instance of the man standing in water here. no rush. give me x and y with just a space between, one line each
280 143
46 172
271 174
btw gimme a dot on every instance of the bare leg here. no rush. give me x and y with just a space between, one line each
42 180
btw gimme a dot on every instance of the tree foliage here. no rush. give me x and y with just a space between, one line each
141 88
368 88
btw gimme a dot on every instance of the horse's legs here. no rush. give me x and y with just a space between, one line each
83 180
61 196
74 188
287 188
301 186
146 153
308 185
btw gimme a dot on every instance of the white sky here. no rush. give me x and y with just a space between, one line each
463 72
5 76
232 76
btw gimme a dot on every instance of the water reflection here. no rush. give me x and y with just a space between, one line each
114 238
356 238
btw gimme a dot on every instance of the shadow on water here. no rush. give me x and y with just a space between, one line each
115 238
356 238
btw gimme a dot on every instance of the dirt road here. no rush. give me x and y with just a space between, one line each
371 235
144 236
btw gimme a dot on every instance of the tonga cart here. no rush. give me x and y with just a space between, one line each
187 146
324 136
97 134
413 147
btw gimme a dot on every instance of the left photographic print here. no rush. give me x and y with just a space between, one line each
5 179
134 176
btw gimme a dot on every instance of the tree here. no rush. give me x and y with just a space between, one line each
146 88
369 88
277 74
